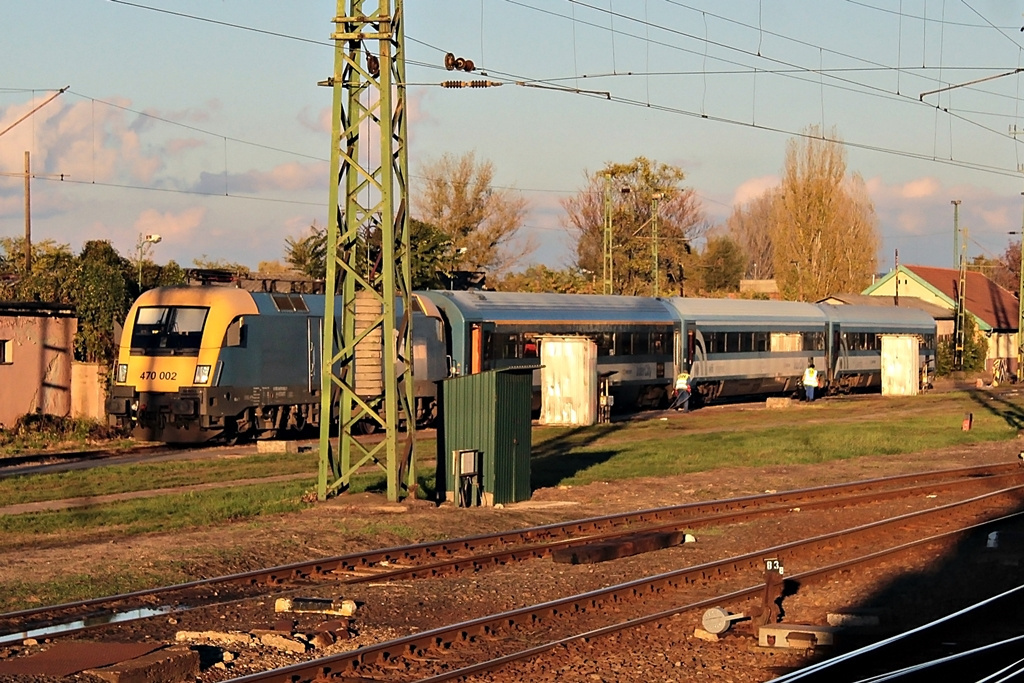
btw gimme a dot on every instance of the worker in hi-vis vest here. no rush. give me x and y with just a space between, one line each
810 380
682 387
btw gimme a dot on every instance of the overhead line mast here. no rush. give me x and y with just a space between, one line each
366 365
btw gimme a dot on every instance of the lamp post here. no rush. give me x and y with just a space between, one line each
143 248
654 239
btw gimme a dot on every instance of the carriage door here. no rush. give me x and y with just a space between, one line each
314 350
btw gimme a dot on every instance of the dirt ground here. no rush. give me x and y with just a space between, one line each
366 521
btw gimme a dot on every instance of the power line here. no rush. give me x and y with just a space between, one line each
907 15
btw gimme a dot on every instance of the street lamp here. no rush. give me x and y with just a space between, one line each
143 248
655 198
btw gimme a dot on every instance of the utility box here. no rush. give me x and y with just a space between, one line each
568 381
901 364
485 429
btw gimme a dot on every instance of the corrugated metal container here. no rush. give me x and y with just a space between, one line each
901 364
568 381
488 412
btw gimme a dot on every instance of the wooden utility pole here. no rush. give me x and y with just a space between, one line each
28 216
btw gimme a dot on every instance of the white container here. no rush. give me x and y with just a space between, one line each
568 381
901 365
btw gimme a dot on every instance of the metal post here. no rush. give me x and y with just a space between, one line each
956 232
28 217
1020 307
654 240
368 337
609 275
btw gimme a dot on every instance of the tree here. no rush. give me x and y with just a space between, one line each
750 225
975 350
308 253
171 274
632 189
103 294
540 278
47 282
480 222
207 263
1006 273
824 232
722 265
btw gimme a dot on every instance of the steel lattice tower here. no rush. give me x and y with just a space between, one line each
365 376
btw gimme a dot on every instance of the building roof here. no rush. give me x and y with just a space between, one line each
936 312
992 305
10 309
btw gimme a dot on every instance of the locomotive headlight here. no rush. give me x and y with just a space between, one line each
202 374
122 373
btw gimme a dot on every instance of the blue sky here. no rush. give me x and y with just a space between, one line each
217 137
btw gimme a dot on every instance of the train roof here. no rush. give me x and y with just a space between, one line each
478 306
184 295
894 316
742 310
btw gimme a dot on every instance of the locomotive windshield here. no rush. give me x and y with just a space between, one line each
168 330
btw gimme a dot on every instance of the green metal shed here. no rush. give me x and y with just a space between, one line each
486 418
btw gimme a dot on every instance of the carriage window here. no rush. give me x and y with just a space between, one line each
503 345
786 341
714 342
623 345
814 341
746 341
641 343
531 347
657 343
761 342
605 343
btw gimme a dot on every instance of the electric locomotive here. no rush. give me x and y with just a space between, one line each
198 363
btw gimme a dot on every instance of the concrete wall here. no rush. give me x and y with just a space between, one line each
36 373
88 390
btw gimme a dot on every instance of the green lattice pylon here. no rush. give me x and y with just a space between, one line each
365 379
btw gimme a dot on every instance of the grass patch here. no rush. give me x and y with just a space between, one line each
825 432
40 432
159 514
145 476
114 580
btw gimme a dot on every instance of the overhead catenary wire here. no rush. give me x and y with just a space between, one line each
820 72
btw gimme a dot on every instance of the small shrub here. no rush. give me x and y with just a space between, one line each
41 426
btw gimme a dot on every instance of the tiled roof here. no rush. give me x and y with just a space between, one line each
937 312
984 298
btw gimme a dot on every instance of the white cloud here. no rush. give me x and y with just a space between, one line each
171 226
754 188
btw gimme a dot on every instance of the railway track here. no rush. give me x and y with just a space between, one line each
442 558
488 644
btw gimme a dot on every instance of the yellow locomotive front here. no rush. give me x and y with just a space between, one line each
169 357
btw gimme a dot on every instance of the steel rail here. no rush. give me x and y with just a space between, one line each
445 636
818 498
520 554
332 566
810 576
